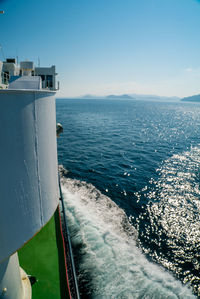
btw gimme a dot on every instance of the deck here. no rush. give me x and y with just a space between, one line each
43 257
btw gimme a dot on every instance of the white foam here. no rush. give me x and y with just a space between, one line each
109 253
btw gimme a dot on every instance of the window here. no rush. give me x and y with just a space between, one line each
49 81
6 77
42 77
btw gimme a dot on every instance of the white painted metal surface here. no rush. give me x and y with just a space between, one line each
49 76
10 279
14 282
27 67
26 285
11 68
25 82
28 159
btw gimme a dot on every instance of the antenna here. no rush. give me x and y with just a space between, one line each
2 12
2 52
17 57
38 61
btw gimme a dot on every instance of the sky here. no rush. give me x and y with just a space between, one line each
107 47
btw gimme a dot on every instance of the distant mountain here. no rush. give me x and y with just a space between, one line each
131 97
123 96
112 96
195 98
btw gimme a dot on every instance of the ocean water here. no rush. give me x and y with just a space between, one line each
130 181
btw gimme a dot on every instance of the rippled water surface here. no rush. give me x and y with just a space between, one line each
132 196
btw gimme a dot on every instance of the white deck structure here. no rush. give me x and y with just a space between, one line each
28 159
10 68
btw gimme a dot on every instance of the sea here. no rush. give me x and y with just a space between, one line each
130 180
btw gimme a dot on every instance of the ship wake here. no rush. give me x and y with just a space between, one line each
109 263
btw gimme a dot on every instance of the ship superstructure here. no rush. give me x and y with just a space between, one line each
29 172
10 68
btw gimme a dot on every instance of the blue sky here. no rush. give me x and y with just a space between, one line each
108 46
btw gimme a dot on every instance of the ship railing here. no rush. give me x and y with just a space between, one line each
5 78
74 289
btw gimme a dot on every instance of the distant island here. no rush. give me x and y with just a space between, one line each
130 97
112 96
124 96
195 98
